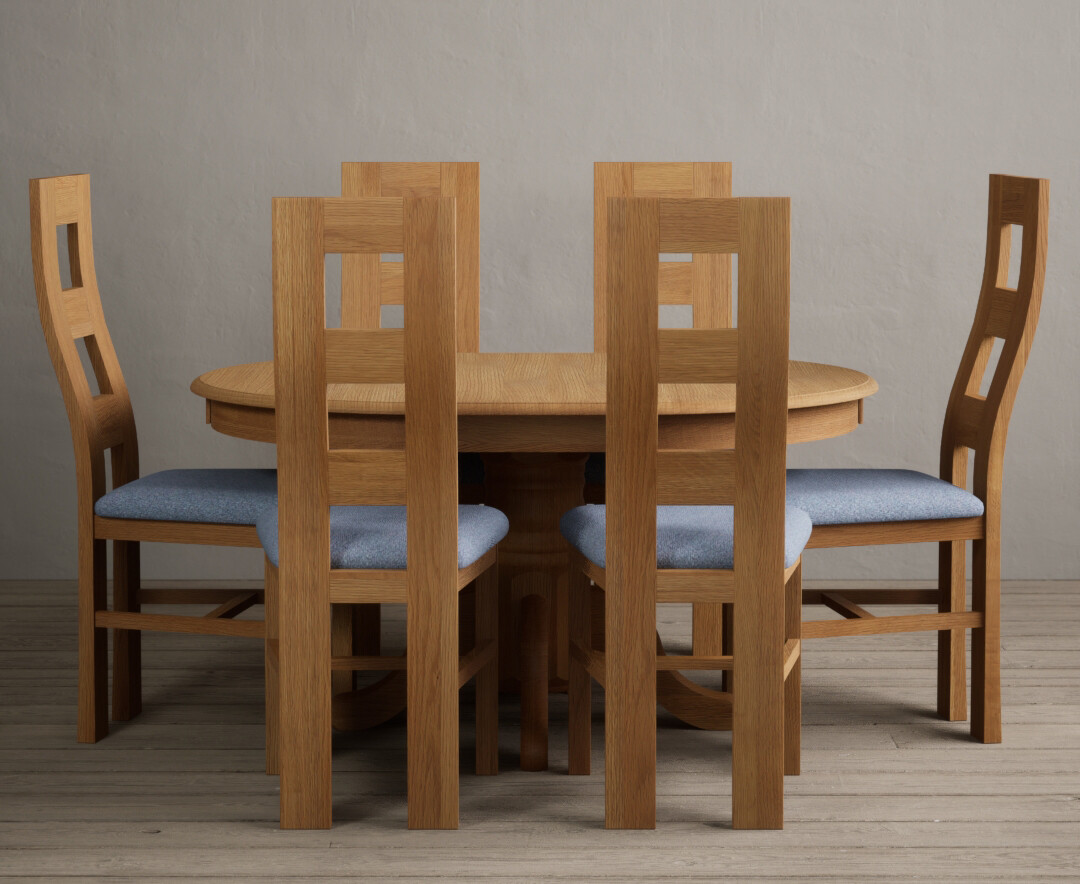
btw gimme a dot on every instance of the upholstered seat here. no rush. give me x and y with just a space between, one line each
845 497
231 497
686 536
374 536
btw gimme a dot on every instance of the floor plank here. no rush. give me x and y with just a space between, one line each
888 792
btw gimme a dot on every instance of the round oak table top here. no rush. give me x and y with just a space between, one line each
562 393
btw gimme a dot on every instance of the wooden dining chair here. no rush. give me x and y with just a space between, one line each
869 507
692 525
339 533
703 284
369 283
202 507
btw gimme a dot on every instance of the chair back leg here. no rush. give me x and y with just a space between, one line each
579 688
986 639
93 714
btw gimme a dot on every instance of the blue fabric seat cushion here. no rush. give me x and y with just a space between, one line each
374 536
846 497
686 536
231 497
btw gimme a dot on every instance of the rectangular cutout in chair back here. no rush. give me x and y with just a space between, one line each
676 316
1016 252
996 346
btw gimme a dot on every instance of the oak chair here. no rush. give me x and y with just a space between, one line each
368 283
677 517
703 284
870 507
203 507
339 533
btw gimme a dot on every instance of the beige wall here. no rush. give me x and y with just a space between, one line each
880 120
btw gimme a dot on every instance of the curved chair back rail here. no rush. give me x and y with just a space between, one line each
971 420
368 283
99 422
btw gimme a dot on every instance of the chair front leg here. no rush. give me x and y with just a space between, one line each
757 739
952 666
127 643
93 708
793 682
304 711
432 690
270 665
486 620
579 689
630 707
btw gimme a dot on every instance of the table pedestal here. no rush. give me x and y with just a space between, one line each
533 490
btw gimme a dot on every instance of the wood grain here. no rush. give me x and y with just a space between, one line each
632 401
761 448
431 494
532 384
303 513
367 282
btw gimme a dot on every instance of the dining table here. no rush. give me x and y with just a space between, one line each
535 418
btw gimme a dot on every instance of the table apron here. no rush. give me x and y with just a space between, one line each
537 433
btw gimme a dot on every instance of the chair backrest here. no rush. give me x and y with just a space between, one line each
368 283
753 356
103 421
977 422
308 356
704 283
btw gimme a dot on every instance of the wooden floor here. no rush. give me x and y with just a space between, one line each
888 792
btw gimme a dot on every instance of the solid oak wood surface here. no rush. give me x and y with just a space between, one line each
315 474
509 384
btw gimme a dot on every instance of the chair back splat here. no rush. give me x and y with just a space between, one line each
103 421
971 420
704 283
369 283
